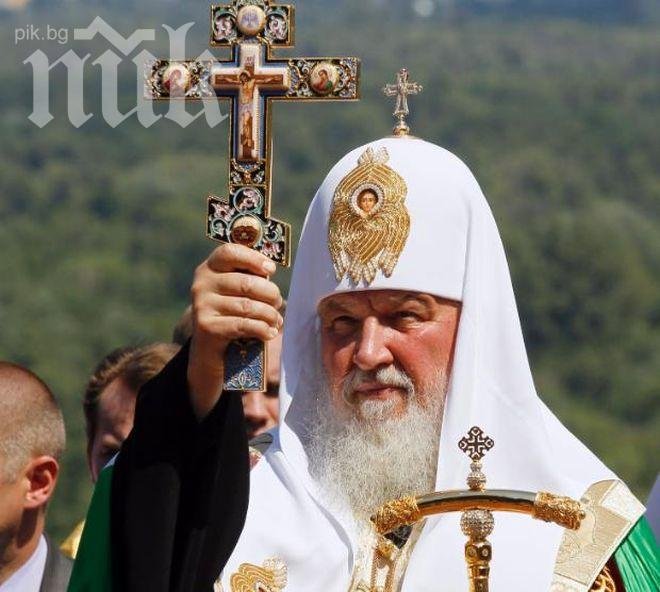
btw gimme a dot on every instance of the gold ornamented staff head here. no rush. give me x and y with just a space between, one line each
396 513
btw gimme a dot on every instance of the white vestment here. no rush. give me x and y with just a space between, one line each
453 251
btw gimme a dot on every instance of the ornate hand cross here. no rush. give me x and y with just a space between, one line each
401 89
251 79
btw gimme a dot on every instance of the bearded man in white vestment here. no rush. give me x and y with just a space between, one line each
390 355
402 333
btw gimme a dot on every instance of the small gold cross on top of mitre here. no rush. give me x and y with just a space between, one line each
401 89
475 444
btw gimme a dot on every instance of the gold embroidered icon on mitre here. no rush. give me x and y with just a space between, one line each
270 577
369 222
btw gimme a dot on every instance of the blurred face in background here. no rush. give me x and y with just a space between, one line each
115 412
110 396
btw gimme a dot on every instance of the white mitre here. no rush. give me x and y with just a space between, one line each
453 250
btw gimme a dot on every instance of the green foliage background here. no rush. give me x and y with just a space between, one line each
100 228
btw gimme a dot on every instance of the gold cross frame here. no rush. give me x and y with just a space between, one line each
251 79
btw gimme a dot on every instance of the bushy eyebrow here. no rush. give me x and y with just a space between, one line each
414 298
334 306
407 298
331 306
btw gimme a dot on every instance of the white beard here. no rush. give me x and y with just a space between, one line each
371 456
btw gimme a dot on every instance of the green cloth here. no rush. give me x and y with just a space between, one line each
92 568
638 559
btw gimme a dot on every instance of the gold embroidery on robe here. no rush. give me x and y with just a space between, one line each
381 564
611 511
604 582
270 577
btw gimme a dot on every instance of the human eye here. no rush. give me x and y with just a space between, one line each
406 317
343 325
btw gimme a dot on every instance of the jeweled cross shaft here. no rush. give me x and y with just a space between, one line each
251 79
401 90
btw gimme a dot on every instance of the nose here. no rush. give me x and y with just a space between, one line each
372 350
254 409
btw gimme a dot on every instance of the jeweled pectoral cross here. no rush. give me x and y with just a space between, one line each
252 79
401 89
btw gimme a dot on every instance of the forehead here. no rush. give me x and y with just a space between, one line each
116 404
379 300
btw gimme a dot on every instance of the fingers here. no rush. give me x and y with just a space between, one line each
231 302
232 299
232 257
232 328
235 270
246 286
240 307
234 284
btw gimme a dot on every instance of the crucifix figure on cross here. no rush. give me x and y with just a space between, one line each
252 78
401 89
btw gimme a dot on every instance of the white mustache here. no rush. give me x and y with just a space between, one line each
386 376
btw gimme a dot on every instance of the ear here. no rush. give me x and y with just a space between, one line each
41 473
